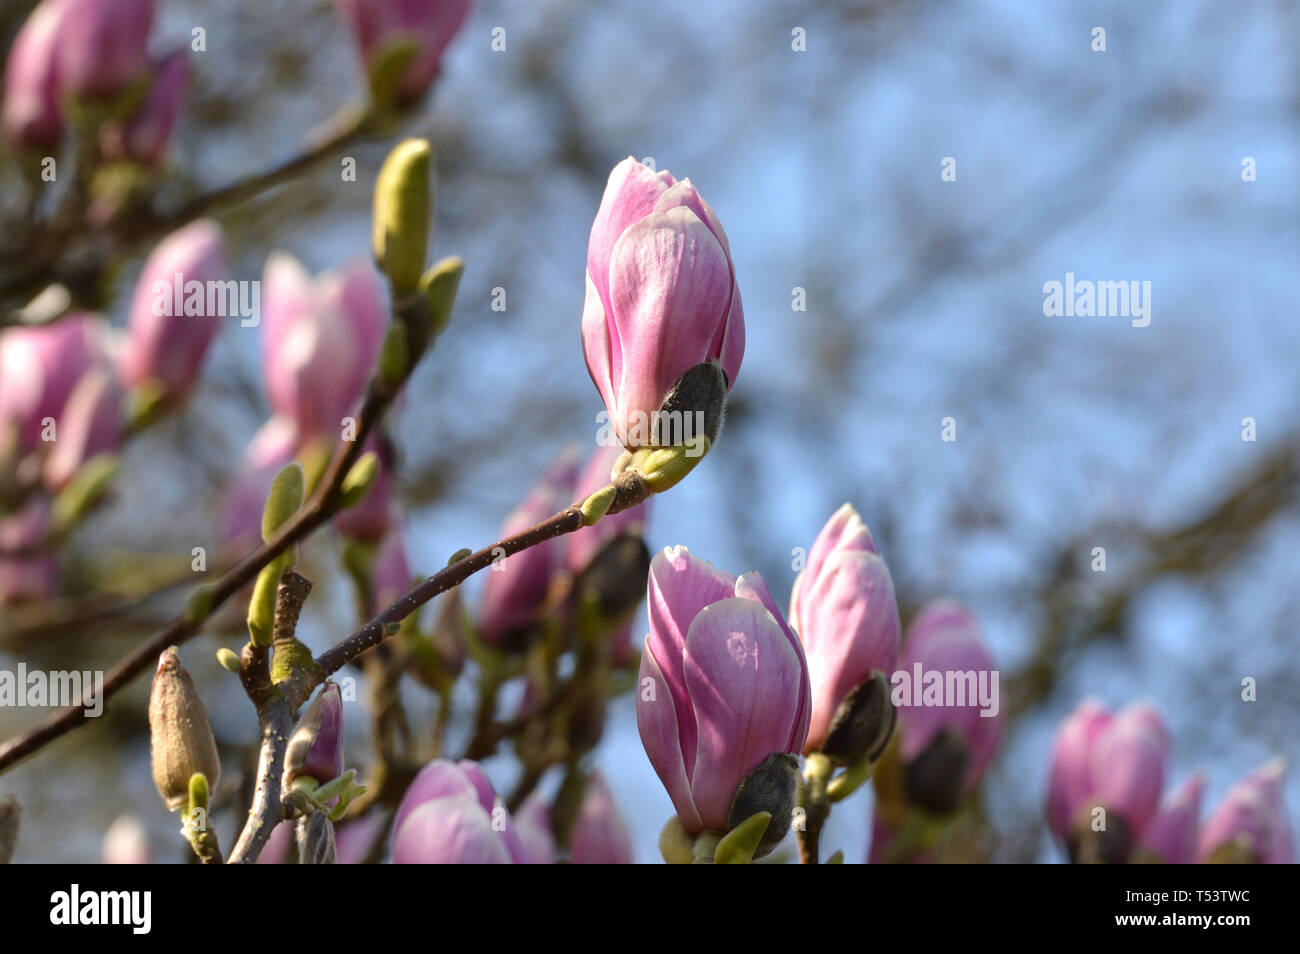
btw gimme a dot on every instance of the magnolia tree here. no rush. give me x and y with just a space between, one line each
759 716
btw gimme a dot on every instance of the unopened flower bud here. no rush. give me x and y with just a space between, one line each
316 840
862 724
316 746
403 214
773 787
179 732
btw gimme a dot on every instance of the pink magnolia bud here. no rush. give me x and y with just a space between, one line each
177 309
319 341
355 840
91 423
39 367
582 545
391 574
451 815
599 835
102 46
939 734
1115 762
427 27
661 296
724 681
273 446
1251 821
30 116
28 576
1171 836
517 585
844 610
534 823
143 136
316 746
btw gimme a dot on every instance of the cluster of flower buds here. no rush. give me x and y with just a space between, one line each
86 64
1104 797
72 390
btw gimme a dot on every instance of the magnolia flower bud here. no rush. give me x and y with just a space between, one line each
179 732
316 840
1112 763
30 116
945 747
1250 824
39 367
102 46
533 820
143 136
844 610
316 746
401 44
599 835
661 300
723 684
91 423
320 338
582 545
517 585
174 317
1170 838
451 815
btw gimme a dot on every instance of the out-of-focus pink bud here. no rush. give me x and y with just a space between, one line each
91 423
319 340
534 823
1170 838
39 367
316 746
1114 762
661 297
30 115
354 840
143 136
126 843
26 575
276 849
517 585
427 27
451 815
582 545
391 572
102 46
599 835
843 608
728 685
273 446
945 638
1250 824
177 309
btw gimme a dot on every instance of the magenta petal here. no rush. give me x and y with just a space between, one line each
533 821
745 681
631 193
600 836
1253 815
850 626
750 586
1070 784
656 721
441 778
1171 836
680 586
